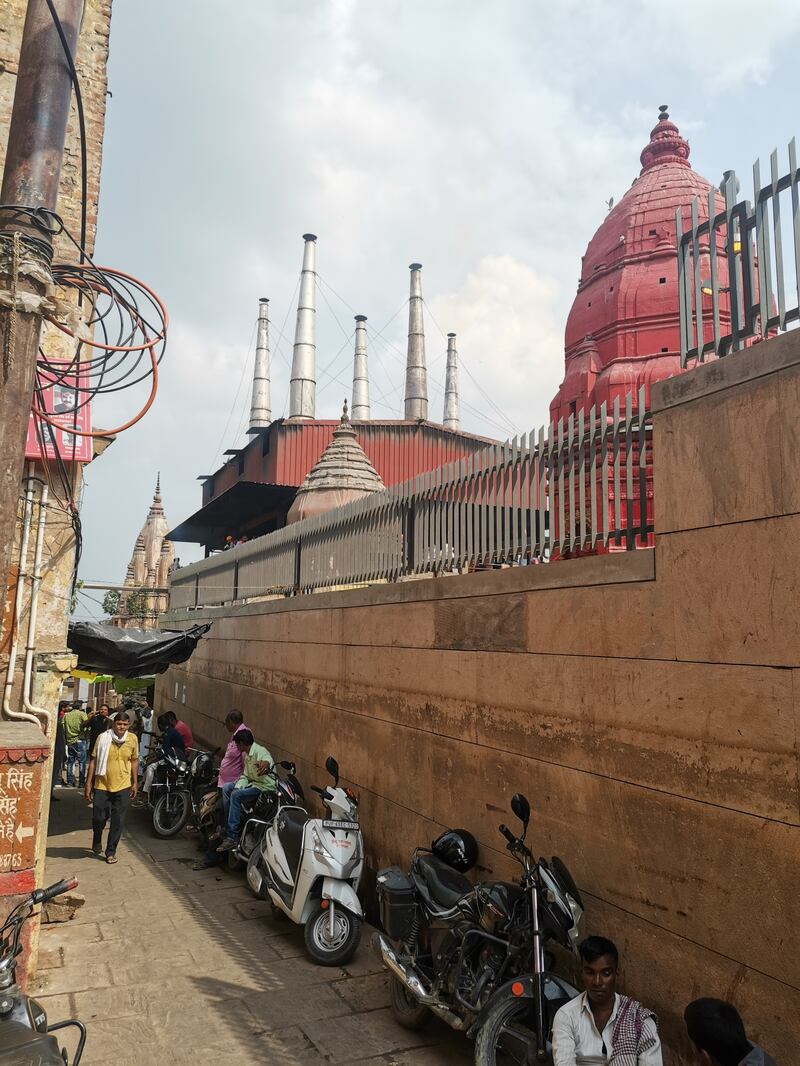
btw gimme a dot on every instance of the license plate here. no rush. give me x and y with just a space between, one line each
331 824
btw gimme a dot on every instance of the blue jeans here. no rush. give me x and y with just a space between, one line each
77 752
235 797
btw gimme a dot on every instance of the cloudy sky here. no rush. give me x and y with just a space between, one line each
480 139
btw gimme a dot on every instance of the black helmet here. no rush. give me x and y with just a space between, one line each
458 848
202 768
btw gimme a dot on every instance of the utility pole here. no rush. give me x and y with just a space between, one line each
30 180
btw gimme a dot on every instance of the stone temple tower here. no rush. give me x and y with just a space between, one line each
152 559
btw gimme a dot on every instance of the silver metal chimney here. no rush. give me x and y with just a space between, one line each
451 419
416 405
303 384
261 407
360 405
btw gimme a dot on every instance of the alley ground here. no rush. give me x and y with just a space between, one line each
164 964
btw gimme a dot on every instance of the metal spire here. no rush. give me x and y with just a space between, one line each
261 408
303 385
451 419
360 405
416 405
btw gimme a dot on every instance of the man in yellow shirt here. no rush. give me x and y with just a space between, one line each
112 781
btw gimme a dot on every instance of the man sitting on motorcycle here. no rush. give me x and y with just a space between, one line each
600 1025
255 778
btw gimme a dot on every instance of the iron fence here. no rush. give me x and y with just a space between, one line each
750 286
583 484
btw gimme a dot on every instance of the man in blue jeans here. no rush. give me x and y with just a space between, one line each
76 737
255 778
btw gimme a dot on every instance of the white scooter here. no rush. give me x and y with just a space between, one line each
310 869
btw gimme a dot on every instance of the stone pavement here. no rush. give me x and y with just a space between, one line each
164 964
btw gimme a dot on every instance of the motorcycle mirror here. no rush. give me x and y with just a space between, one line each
522 809
289 766
332 766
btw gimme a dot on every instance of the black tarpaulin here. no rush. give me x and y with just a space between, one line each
131 652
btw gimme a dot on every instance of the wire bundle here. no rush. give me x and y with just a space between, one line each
125 334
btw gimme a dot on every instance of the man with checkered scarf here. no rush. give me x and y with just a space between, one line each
601 1027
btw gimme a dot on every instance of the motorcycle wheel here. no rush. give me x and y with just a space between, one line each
506 1038
171 812
327 950
409 1012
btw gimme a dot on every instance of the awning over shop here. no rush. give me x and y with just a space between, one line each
131 652
248 507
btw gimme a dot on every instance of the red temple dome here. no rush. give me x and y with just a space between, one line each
623 329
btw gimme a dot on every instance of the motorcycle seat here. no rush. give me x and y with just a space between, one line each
439 884
291 823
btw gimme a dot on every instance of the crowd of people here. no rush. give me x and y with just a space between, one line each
101 754
105 751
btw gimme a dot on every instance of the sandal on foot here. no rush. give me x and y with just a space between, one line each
97 850
111 859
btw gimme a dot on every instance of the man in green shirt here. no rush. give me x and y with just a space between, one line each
77 749
256 777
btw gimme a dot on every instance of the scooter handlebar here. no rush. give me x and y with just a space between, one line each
42 895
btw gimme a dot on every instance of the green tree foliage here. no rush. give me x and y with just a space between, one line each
138 604
111 601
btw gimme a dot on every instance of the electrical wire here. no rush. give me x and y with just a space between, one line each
73 73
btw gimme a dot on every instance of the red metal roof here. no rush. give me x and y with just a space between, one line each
398 450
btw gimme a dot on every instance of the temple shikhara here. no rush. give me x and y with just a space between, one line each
152 559
623 329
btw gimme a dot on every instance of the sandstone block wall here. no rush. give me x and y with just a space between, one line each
647 703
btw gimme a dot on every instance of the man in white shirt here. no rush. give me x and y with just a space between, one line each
600 1026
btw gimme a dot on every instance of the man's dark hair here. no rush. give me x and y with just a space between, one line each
172 717
235 717
716 1027
62 704
595 947
122 716
77 704
163 721
244 736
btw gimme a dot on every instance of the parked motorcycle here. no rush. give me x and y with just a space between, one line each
473 954
260 812
177 791
310 869
25 1035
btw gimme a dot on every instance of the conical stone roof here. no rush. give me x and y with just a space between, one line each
342 473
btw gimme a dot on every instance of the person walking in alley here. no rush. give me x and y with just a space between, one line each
600 1025
75 735
112 782
230 770
98 723
59 749
717 1032
255 778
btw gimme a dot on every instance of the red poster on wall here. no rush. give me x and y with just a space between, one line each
66 404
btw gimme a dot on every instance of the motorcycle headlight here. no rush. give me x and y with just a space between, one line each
318 846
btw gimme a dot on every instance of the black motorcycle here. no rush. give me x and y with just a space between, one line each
178 789
473 954
259 812
25 1036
